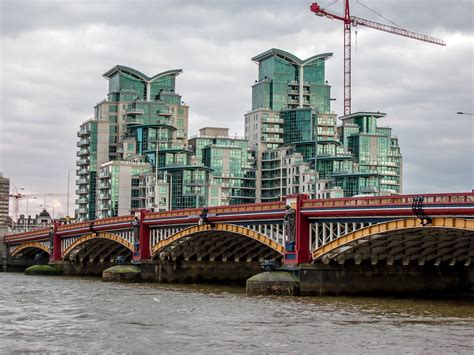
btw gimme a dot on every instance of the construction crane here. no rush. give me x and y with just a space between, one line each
355 21
17 196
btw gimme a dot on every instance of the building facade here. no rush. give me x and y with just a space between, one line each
298 146
135 153
4 205
232 163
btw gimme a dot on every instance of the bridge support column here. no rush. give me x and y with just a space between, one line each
143 252
55 255
302 253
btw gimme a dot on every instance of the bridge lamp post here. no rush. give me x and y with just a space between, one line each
465 113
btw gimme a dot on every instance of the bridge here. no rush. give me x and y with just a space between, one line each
395 230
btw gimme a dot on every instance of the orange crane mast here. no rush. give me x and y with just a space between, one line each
355 21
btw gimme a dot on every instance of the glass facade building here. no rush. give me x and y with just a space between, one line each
232 164
143 121
298 146
135 153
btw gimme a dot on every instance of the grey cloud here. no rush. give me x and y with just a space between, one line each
54 54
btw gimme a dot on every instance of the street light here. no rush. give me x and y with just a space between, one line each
465 113
27 212
68 190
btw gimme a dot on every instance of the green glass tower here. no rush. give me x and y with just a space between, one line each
298 146
376 152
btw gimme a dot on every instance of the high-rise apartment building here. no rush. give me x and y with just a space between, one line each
298 146
377 153
4 199
134 154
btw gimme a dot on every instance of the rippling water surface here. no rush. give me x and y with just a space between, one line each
60 314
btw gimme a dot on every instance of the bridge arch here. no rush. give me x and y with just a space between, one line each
109 240
30 245
219 237
405 240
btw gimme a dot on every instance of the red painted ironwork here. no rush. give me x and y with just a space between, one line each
461 204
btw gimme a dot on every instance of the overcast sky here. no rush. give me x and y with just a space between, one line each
53 55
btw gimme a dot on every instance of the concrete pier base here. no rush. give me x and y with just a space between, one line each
175 271
371 280
321 279
274 283
44 270
122 273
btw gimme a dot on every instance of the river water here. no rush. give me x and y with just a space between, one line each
85 315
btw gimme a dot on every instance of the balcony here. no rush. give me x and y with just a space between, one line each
134 121
82 191
135 111
83 132
84 171
83 142
272 129
104 174
82 210
82 161
272 120
104 196
272 139
83 151
104 185
82 181
81 200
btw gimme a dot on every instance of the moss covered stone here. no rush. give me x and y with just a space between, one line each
46 270
122 273
274 283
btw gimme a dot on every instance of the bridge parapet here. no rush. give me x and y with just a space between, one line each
396 205
319 222
37 234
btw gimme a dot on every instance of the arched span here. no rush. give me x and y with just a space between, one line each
405 238
29 245
230 228
102 235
